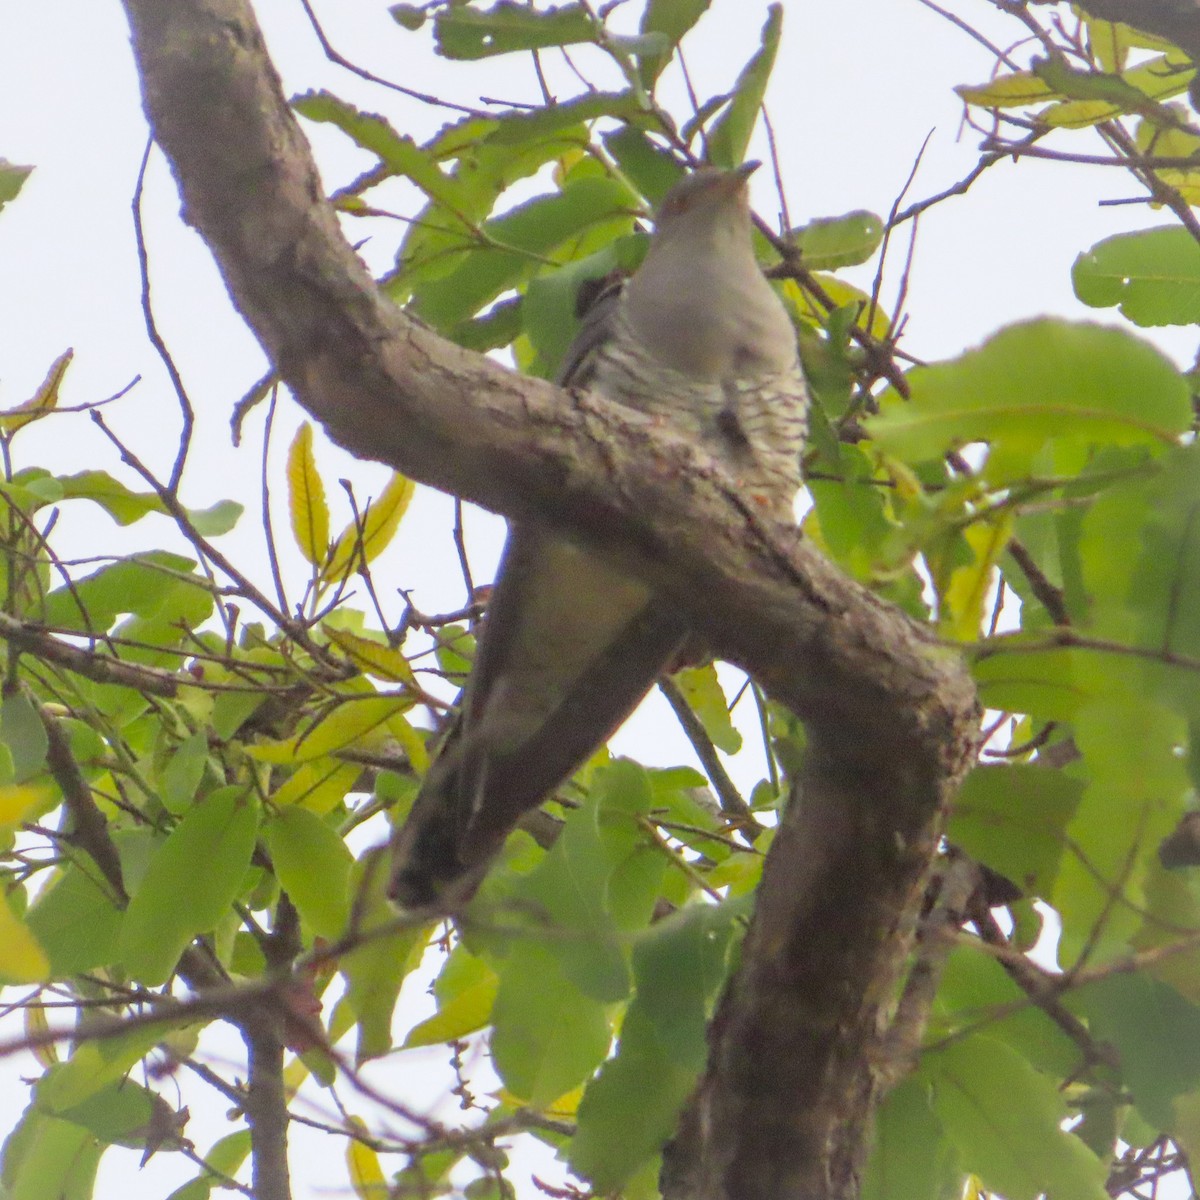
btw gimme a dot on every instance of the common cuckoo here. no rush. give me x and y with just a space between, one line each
571 644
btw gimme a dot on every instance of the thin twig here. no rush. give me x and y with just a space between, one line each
265 492
336 57
156 339
731 801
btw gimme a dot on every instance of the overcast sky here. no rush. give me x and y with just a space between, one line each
857 90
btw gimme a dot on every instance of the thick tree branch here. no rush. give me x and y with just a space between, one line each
891 717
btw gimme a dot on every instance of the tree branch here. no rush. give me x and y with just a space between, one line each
891 717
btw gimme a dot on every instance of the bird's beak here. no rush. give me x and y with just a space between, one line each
736 179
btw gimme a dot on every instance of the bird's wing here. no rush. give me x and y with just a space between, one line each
569 647
600 298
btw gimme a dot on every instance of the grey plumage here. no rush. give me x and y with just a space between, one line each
570 644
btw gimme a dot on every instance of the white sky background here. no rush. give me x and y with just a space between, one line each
857 88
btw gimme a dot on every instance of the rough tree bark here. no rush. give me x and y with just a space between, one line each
798 1047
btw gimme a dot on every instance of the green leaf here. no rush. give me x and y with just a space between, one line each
525 126
1012 819
373 655
199 1188
1004 1119
497 327
76 921
1094 96
976 991
218 519
411 16
126 506
632 1106
46 1157
849 519
548 1036
1137 791
569 890
156 586
729 137
22 731
12 179
1089 84
124 1114
229 1152
846 241
1021 674
445 234
313 866
399 154
183 772
375 971
1140 554
22 959
1040 382
651 168
318 786
671 19
123 505
909 1154
176 901
461 32
1152 276
455 650
587 213
1156 1032
95 1065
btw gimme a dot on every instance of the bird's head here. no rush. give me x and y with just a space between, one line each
709 195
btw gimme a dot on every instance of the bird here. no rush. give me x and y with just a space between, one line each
698 339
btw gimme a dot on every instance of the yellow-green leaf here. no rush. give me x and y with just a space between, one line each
1008 91
38 1026
318 786
306 498
366 1175
375 659
353 722
876 321
411 742
22 960
379 525
44 400
25 802
465 1013
965 592
702 690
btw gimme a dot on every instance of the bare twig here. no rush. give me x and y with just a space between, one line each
732 803
156 338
